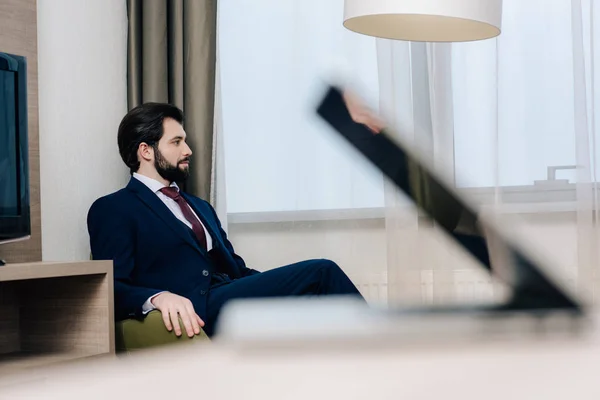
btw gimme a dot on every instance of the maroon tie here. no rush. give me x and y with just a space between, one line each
173 193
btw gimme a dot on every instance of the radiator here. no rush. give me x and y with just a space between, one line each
460 286
373 287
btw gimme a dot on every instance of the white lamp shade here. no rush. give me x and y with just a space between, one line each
425 20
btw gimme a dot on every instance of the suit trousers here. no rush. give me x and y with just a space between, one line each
311 277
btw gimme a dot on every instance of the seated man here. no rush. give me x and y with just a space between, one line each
168 248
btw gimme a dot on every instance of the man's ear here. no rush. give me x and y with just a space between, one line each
145 152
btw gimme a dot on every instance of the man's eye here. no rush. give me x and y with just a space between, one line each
177 142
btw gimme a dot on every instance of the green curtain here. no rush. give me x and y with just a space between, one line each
171 59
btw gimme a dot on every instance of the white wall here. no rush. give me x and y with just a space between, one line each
82 97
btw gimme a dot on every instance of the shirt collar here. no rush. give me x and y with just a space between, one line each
152 184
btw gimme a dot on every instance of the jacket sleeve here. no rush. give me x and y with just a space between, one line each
112 238
238 260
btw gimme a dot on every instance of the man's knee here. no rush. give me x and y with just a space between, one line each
329 269
322 269
326 265
334 279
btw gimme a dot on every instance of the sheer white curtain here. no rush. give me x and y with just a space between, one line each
294 189
506 119
274 58
512 122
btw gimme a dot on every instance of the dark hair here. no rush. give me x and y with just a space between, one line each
143 124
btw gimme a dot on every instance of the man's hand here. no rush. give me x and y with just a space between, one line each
361 114
173 307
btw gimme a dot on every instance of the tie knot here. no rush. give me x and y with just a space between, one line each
171 192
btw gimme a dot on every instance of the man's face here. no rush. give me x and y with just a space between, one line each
172 156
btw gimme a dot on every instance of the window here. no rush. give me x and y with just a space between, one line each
514 102
279 155
532 65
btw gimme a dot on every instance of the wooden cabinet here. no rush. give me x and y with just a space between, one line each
52 312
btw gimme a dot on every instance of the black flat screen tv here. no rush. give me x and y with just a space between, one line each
15 215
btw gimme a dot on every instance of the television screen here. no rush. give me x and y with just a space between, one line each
15 214
9 190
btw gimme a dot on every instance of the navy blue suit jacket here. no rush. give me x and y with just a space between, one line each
153 251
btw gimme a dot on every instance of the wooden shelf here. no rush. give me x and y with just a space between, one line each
53 313
39 270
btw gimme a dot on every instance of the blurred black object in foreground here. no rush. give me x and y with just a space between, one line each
532 287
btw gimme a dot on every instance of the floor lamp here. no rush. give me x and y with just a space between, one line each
425 20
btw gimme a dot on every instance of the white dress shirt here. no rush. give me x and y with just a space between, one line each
155 186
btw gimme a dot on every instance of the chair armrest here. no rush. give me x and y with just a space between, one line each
133 334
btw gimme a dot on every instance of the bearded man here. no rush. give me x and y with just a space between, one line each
168 248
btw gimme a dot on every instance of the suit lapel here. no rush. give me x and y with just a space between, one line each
162 211
201 212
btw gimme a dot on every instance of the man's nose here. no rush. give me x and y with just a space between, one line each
187 151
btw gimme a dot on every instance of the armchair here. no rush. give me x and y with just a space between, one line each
133 334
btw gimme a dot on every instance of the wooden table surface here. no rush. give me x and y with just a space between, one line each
518 368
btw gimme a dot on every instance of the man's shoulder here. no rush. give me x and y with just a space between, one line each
112 201
114 196
110 213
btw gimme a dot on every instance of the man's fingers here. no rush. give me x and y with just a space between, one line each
167 322
361 114
175 321
371 122
178 314
375 128
193 318
187 323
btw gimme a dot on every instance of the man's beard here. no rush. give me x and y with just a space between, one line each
168 171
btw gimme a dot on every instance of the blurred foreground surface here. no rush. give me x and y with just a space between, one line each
331 358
